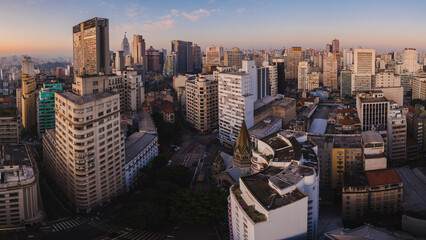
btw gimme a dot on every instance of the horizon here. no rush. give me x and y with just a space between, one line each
216 22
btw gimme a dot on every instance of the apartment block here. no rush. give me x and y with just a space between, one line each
28 99
9 125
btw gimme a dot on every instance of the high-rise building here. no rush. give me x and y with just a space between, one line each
153 60
419 87
138 50
364 61
201 103
416 125
397 147
91 47
279 62
214 54
313 81
129 61
373 110
407 83
183 50
250 68
125 46
197 58
410 61
171 64
346 157
263 85
335 46
46 107
346 81
29 117
119 60
134 90
60 72
234 58
28 66
302 80
9 125
235 101
273 79
360 82
292 64
330 72
387 78
19 188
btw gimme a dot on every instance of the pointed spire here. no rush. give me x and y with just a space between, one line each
243 142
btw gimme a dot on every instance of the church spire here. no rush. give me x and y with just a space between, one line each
243 143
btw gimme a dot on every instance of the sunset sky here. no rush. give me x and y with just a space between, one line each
45 26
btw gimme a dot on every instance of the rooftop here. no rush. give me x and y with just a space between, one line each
15 164
277 100
14 155
365 232
86 98
259 129
165 106
355 179
258 185
347 142
136 143
414 180
383 177
371 137
145 122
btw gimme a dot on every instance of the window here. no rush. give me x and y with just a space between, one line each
95 83
89 109
95 90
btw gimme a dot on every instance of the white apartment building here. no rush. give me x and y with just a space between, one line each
348 58
313 81
387 78
235 101
303 79
250 68
134 89
273 79
410 61
275 203
140 149
419 87
364 61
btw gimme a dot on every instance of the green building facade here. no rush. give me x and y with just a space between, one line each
46 107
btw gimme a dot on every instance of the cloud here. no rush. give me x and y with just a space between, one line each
133 11
241 10
195 15
32 2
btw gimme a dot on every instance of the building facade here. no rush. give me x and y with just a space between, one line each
139 50
46 107
183 50
28 100
10 125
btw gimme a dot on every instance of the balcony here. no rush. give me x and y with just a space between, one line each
250 210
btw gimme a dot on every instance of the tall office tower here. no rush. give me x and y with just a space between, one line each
263 85
119 60
397 147
91 47
364 61
214 55
197 58
134 90
373 110
234 58
250 68
410 61
153 60
46 107
346 83
361 82
279 62
335 46
292 64
129 61
260 205
171 64
347 58
138 50
183 50
28 66
330 72
29 117
125 46
235 101
419 87
387 78
19 187
302 79
201 103
273 79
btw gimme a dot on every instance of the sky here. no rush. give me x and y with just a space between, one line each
44 27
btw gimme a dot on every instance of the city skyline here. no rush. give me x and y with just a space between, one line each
384 25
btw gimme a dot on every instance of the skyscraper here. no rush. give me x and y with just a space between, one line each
28 66
197 58
410 60
138 50
125 46
153 60
183 50
29 117
171 64
330 72
46 107
234 58
279 62
119 60
364 61
335 46
91 47
373 110
302 80
292 64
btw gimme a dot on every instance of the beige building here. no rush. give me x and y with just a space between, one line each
138 50
9 125
214 54
134 89
397 137
234 58
275 106
91 47
202 104
373 192
419 87
28 99
330 72
364 61
373 110
302 79
387 78
85 153
20 200
19 99
313 81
